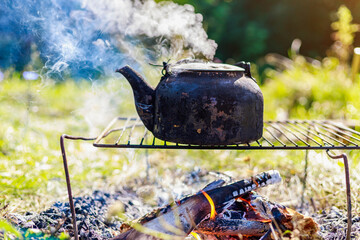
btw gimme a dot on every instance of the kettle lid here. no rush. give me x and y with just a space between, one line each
196 66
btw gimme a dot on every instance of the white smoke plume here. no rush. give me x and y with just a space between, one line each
91 38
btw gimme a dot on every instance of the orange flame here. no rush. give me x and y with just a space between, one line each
212 205
195 235
265 220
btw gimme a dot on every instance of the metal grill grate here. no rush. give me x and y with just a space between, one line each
290 134
285 135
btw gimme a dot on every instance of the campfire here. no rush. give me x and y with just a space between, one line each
234 211
104 215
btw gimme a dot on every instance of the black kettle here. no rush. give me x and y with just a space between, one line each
201 103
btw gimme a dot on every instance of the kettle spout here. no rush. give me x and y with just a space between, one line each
144 95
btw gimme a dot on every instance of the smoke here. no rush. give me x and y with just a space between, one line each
91 38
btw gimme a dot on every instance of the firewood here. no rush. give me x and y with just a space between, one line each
178 219
224 226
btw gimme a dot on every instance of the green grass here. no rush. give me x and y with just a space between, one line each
304 90
34 114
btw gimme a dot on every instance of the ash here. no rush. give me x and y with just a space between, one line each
91 215
333 224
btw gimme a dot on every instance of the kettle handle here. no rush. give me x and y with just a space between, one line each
246 67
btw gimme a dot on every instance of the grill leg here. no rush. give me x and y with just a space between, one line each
71 201
66 169
348 192
305 178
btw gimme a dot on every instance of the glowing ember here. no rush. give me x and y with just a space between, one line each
260 219
254 180
248 202
212 205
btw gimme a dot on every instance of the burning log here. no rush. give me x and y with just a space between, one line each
224 226
178 219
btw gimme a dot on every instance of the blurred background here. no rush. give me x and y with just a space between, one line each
250 30
243 30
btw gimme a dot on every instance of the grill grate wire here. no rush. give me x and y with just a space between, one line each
289 134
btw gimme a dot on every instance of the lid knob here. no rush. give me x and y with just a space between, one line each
246 66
